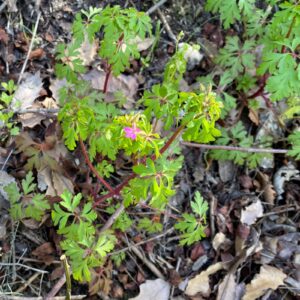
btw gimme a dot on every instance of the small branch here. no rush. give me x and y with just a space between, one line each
56 288
30 46
142 242
92 168
113 218
233 148
155 7
41 111
167 26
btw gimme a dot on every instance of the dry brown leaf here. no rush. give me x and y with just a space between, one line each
153 290
221 241
27 92
43 253
88 51
54 182
200 284
126 84
142 44
252 212
227 288
267 187
268 278
253 116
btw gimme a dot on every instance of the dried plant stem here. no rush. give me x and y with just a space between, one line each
63 258
156 6
30 46
92 168
233 148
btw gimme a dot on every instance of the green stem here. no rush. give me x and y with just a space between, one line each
68 277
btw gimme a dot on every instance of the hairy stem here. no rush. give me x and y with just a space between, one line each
265 76
92 168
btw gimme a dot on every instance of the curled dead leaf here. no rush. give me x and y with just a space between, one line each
153 290
268 278
200 284
252 212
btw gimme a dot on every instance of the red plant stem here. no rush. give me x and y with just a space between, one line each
265 76
92 168
261 88
108 73
118 189
289 33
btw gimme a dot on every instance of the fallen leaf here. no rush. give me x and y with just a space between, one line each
153 290
282 175
44 252
3 36
200 284
220 241
227 288
253 116
226 170
54 182
268 278
252 212
37 53
88 51
142 44
266 187
27 92
125 84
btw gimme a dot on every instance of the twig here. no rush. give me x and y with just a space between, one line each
92 168
75 297
27 283
112 218
7 158
142 242
233 148
155 7
3 5
167 26
23 266
147 262
41 111
56 288
30 46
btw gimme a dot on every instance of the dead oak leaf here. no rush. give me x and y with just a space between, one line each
268 278
200 284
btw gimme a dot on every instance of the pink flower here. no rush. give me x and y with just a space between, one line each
131 132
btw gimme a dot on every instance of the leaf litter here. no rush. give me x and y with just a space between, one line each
244 237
